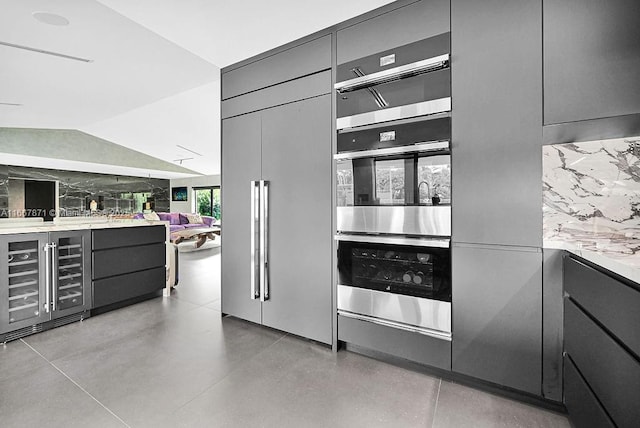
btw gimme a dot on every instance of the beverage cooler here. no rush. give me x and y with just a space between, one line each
46 281
396 281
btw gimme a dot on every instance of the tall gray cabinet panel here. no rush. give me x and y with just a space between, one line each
241 163
289 147
497 315
296 161
591 59
407 24
552 313
496 84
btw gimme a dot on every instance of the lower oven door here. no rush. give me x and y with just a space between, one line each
398 282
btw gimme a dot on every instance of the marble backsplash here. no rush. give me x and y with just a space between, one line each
591 196
76 189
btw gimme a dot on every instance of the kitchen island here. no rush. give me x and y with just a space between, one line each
54 273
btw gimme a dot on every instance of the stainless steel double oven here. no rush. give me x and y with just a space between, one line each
393 183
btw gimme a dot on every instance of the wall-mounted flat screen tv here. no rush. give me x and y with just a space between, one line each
178 193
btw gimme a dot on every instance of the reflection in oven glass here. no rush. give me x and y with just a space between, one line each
434 176
390 182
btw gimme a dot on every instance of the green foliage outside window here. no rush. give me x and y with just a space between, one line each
204 203
203 200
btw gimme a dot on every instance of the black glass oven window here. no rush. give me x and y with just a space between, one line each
414 271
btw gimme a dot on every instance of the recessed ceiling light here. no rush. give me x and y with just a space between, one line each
51 18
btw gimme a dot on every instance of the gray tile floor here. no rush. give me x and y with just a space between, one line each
174 362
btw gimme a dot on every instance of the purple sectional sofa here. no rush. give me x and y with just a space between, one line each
179 221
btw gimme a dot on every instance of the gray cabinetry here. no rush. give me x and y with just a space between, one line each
497 315
241 163
407 24
302 60
129 264
586 410
605 298
602 364
296 161
289 147
591 59
497 122
284 93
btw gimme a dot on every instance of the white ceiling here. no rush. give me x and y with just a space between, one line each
153 82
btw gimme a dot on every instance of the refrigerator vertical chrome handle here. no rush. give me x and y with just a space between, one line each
54 276
264 241
47 279
255 206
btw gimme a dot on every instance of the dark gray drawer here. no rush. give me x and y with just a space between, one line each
612 303
124 287
583 407
128 236
611 372
118 261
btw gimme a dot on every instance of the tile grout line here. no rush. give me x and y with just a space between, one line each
435 409
76 384
232 371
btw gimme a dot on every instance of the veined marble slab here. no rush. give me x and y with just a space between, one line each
591 202
627 266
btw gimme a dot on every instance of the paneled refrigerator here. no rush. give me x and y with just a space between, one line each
46 281
276 210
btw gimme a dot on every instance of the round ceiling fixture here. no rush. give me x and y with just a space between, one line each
51 18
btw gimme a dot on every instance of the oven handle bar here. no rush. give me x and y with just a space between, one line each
396 73
428 146
424 108
396 240
425 331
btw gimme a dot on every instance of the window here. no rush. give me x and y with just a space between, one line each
207 201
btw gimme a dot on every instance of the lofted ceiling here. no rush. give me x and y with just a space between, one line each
143 74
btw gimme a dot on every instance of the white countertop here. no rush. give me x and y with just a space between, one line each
624 264
79 224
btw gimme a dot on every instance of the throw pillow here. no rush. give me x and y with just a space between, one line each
194 218
151 216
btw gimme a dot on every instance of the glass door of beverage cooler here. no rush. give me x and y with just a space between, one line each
23 291
70 277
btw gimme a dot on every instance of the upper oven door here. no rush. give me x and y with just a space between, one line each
410 81
396 190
